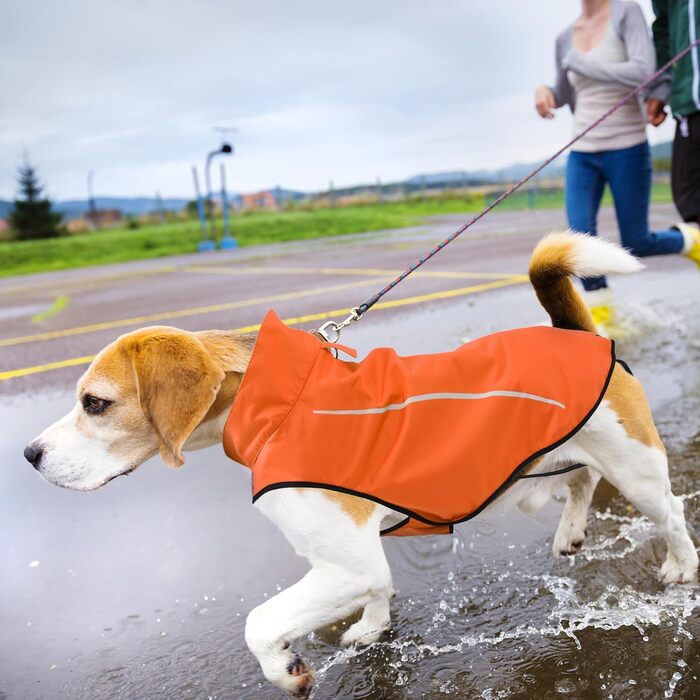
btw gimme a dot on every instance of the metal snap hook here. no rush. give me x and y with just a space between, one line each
330 330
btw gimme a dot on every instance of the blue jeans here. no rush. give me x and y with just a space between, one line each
628 172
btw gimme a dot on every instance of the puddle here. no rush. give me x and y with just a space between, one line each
141 590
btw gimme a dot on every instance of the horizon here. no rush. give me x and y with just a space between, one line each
346 94
369 184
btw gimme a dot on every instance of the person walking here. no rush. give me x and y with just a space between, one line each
605 53
676 26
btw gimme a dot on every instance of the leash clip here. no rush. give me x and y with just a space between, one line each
330 330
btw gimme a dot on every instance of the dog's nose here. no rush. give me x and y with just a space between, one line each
33 454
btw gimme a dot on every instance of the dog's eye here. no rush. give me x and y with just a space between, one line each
95 406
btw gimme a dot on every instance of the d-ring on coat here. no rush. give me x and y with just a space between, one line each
436 437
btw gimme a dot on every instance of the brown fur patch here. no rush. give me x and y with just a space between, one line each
112 366
177 382
550 268
626 397
359 509
231 350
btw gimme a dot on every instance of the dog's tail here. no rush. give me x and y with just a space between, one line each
560 255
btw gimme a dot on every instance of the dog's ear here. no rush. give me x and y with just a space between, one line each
177 382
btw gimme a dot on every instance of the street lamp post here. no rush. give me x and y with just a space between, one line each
224 149
227 242
205 245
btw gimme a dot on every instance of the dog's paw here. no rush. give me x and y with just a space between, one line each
362 634
568 540
673 571
302 675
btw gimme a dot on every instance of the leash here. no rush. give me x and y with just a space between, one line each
330 331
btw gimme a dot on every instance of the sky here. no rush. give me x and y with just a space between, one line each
318 91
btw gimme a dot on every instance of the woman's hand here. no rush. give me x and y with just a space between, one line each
655 111
545 104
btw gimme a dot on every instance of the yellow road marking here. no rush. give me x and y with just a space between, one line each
58 304
296 320
47 367
338 271
179 313
69 282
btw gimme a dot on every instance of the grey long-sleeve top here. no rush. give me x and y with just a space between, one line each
630 26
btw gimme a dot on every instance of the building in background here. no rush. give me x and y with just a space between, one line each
260 200
104 218
270 200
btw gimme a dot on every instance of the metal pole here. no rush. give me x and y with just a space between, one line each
380 196
92 208
227 241
205 244
207 182
224 201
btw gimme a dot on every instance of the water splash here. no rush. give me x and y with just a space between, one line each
613 608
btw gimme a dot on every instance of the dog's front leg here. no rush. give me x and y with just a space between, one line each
324 595
349 571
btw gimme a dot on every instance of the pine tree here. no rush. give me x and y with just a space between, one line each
32 216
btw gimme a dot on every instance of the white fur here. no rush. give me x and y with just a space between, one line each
593 256
83 454
348 572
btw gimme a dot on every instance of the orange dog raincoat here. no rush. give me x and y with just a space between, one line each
436 437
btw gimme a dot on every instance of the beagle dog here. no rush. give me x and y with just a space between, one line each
164 390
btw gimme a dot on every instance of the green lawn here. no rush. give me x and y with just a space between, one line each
154 241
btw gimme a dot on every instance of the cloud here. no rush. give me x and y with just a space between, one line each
319 91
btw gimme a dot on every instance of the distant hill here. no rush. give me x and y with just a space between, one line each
509 173
482 177
130 206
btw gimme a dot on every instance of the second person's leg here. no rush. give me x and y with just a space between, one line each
628 170
685 169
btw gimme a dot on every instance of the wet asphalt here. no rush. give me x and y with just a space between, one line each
140 590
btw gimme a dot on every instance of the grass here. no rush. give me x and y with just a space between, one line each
155 241
173 238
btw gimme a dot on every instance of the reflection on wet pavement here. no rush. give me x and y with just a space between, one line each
141 590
